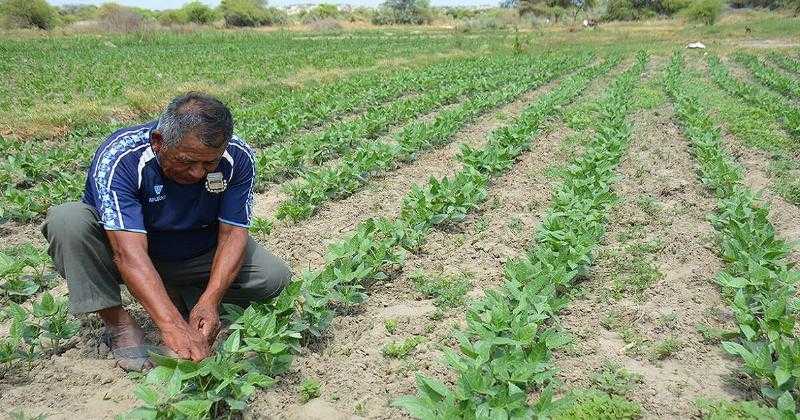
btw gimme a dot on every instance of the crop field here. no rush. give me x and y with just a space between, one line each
561 224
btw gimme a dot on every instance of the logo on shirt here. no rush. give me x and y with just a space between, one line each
157 189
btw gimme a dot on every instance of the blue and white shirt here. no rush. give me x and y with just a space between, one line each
130 192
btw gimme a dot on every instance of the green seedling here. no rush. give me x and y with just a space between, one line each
401 349
446 291
261 226
666 348
390 325
309 390
613 379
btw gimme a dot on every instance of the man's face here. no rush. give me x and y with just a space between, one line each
187 163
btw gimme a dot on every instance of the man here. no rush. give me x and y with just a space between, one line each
165 210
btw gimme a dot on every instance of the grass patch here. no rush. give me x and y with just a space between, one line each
665 348
401 349
613 379
593 404
446 291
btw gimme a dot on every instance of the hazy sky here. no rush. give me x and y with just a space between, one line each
174 4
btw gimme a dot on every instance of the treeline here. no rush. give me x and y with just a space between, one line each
705 11
231 13
252 13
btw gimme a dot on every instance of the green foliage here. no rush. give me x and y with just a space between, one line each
504 353
704 11
596 405
358 166
403 12
250 13
23 272
777 106
447 291
261 226
390 325
401 349
613 379
309 390
27 14
666 348
621 10
758 273
738 410
321 12
35 330
199 13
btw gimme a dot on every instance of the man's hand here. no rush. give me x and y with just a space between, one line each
186 341
205 319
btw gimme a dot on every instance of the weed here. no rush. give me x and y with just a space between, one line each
446 291
613 379
309 390
712 335
665 348
401 349
390 325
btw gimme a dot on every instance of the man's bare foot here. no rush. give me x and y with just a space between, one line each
126 339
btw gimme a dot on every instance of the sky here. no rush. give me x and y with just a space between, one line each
174 4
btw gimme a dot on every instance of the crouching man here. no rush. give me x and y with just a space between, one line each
165 210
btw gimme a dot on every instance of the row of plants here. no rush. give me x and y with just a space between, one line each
788 63
778 106
268 122
504 354
37 175
768 76
356 168
266 336
294 157
758 280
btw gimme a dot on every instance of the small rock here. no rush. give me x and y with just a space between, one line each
696 45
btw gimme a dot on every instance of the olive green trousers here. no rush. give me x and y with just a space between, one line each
82 255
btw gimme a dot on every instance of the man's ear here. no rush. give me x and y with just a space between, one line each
156 141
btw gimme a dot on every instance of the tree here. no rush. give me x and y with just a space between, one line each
199 13
407 12
28 14
250 13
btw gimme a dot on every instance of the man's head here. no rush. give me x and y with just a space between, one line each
191 137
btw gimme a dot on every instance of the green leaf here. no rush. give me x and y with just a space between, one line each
415 407
434 389
195 409
146 394
231 344
781 376
786 403
175 382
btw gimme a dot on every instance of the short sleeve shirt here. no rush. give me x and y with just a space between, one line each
130 192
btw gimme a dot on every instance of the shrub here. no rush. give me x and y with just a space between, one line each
322 12
119 18
670 7
199 13
704 11
250 13
621 10
171 17
403 12
28 14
